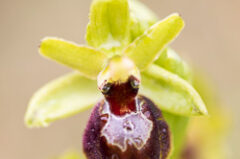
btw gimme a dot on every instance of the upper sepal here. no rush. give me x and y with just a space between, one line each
141 18
109 25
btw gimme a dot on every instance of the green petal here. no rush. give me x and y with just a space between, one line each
108 28
146 48
61 98
170 61
86 60
171 93
178 127
141 18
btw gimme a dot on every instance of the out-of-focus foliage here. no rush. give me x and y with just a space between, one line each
73 154
207 136
178 125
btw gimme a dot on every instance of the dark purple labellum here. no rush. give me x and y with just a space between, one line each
126 126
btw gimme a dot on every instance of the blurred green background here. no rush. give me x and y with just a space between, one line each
210 41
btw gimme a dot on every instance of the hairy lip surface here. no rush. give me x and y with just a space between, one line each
98 145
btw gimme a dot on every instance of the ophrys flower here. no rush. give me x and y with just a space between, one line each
125 52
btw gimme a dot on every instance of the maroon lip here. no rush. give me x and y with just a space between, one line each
126 126
97 146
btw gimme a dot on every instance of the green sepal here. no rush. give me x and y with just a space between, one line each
147 47
141 18
171 93
172 62
109 25
88 61
63 97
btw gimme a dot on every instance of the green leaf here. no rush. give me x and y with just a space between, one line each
146 48
178 127
61 98
141 18
170 61
171 93
109 24
88 61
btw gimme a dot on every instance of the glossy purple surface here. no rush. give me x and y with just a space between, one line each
157 146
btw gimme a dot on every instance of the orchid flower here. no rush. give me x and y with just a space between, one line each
126 47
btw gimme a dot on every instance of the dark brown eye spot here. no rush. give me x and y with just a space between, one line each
134 83
106 88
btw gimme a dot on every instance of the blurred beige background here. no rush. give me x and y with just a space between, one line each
210 40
